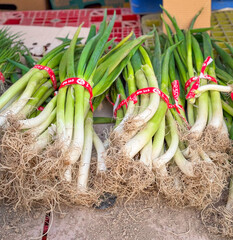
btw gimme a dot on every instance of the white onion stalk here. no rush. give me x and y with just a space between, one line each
100 149
78 134
61 129
146 152
42 141
217 116
43 126
69 132
146 155
186 152
163 169
69 119
213 87
210 111
224 128
11 101
184 165
134 145
205 156
174 143
158 142
85 162
202 115
36 121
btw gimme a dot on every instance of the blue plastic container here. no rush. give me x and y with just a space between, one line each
146 6
152 6
219 4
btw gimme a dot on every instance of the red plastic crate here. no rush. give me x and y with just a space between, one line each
126 21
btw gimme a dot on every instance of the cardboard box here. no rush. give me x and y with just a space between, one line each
68 4
24 5
184 11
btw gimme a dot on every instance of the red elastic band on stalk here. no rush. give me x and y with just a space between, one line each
50 72
176 94
133 97
40 108
2 77
196 80
79 81
109 100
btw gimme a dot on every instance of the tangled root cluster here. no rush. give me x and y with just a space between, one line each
218 220
210 176
29 178
131 126
181 190
216 141
126 178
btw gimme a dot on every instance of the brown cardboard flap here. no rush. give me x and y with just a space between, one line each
25 5
185 10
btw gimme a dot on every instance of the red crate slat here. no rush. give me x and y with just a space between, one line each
125 22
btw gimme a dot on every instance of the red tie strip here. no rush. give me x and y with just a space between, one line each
40 108
115 105
50 72
109 100
176 94
133 97
79 81
196 80
2 77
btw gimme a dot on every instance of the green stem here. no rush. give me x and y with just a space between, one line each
227 108
17 87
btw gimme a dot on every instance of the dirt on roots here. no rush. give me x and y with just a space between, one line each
30 178
184 191
218 220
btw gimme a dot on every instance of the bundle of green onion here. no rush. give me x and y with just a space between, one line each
56 142
187 157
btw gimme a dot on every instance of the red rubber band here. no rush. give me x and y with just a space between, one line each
79 81
50 72
40 108
2 77
133 97
196 80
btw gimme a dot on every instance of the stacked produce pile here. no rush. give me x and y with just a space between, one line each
11 49
173 112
